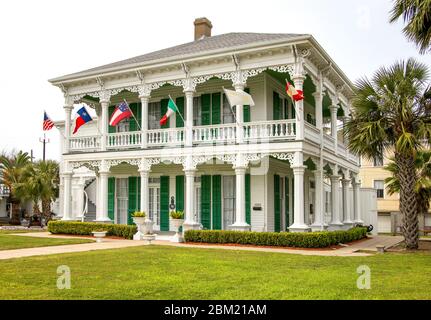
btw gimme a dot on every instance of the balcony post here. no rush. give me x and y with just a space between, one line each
239 112
104 99
298 81
189 90
145 98
68 107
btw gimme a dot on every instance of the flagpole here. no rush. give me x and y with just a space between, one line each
178 110
140 129
297 115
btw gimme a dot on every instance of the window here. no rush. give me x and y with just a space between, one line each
378 161
122 200
228 116
197 111
327 201
123 126
154 115
379 185
228 201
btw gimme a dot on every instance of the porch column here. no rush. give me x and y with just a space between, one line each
67 200
319 222
102 201
335 203
298 81
239 115
67 132
357 201
190 173
306 199
144 124
189 91
104 102
240 220
318 98
80 201
145 191
334 134
298 183
346 203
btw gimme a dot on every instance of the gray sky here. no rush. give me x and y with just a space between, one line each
46 38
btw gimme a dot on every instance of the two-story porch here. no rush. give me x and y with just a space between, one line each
266 167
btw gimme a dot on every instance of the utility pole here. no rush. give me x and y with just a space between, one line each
31 155
44 141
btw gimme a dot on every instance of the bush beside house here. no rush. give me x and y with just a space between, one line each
283 239
86 228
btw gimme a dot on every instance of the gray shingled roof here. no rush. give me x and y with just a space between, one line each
214 43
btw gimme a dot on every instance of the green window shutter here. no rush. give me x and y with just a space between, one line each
179 123
276 203
111 198
133 198
293 198
138 205
247 199
163 109
164 203
275 106
179 193
216 108
206 201
206 109
287 201
246 110
111 129
132 122
216 202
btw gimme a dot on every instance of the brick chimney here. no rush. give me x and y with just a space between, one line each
202 28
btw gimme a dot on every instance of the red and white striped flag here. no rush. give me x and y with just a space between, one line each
48 124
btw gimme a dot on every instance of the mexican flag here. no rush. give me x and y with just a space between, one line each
172 108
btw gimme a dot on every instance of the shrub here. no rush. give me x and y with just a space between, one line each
139 214
85 228
282 239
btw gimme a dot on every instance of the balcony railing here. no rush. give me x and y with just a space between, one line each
4 191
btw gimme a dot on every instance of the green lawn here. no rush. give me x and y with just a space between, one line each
156 272
9 242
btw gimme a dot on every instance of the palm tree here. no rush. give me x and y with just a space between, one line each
417 15
40 185
12 167
423 183
392 112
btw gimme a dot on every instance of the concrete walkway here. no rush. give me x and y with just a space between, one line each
348 251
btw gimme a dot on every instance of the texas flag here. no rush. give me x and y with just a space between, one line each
296 95
122 111
82 118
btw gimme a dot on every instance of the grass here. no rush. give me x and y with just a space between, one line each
157 272
9 242
8 231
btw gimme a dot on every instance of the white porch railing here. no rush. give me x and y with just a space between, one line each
162 137
124 140
84 143
312 133
276 129
215 133
328 141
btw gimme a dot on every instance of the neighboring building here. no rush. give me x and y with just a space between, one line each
270 167
389 219
4 195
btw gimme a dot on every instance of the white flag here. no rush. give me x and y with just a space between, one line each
238 98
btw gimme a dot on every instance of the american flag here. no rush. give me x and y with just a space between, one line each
47 122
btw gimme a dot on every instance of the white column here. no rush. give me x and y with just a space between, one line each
144 124
357 202
104 102
67 200
61 195
80 201
189 117
346 204
145 191
318 98
334 109
335 223
319 222
240 219
102 201
239 116
298 81
298 183
306 199
190 173
67 126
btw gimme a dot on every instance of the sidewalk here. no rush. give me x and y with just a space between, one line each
349 251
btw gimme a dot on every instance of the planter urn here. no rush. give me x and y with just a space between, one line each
177 223
99 235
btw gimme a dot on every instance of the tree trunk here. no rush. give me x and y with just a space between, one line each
15 218
46 210
408 199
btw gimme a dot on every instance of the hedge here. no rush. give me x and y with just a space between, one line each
85 228
282 239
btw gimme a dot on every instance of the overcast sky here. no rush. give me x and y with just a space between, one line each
46 38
